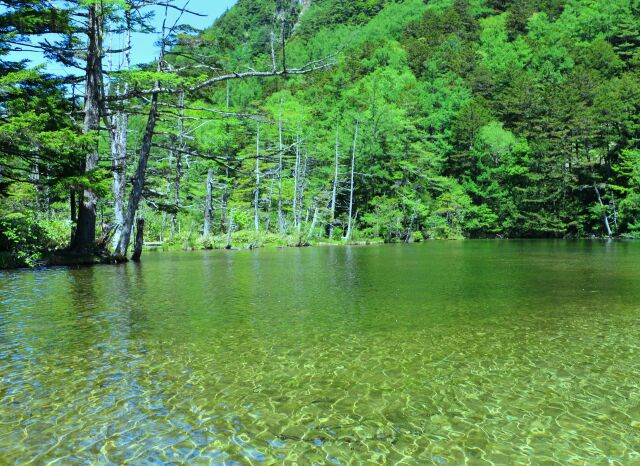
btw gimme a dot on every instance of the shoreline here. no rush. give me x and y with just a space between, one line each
66 259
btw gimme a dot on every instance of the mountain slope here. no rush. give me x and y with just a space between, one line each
475 118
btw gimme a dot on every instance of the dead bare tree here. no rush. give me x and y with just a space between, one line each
281 224
225 190
256 199
605 216
208 208
119 136
147 140
351 188
296 181
334 192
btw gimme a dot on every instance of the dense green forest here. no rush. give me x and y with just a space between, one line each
374 120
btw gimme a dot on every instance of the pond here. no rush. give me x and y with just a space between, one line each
504 352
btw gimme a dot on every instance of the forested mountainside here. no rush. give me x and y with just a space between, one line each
439 119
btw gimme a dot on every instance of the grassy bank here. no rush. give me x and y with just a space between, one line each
249 240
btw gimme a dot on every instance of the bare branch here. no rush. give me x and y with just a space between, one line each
306 69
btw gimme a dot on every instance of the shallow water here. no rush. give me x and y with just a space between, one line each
476 352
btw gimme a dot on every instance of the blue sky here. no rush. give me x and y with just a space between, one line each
144 48
143 45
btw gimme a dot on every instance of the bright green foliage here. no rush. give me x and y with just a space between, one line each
628 169
477 118
41 149
25 237
37 137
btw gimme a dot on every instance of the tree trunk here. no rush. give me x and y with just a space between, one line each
280 150
229 230
296 181
313 223
269 206
170 188
85 237
137 251
118 165
225 190
208 207
256 199
353 165
138 181
224 202
301 189
407 238
162 227
119 139
74 215
178 174
605 217
335 185
176 192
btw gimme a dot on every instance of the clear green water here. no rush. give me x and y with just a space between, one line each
441 353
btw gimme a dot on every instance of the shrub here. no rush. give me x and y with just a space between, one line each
26 239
